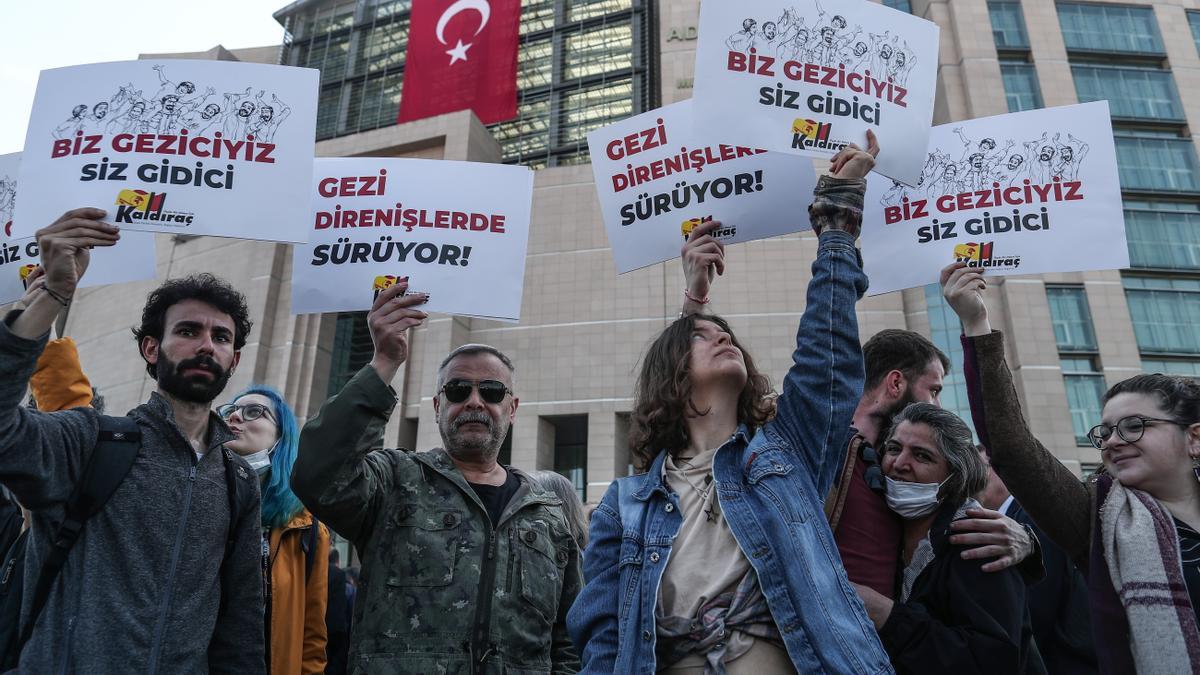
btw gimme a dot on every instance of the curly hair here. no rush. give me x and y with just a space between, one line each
664 393
203 287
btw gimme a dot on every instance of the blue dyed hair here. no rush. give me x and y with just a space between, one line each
279 503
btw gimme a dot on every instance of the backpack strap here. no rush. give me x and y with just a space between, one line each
117 445
234 490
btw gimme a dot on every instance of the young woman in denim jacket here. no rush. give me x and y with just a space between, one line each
718 558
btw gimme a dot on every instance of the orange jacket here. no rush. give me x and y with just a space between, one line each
59 382
298 609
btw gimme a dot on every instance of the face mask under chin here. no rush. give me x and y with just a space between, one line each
912 500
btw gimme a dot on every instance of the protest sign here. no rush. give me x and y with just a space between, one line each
458 230
1023 193
657 179
186 147
796 76
131 259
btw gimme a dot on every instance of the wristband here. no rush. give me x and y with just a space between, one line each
58 298
699 301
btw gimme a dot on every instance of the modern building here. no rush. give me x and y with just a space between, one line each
586 63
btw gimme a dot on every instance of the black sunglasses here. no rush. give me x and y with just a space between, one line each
1130 429
873 472
248 411
491 391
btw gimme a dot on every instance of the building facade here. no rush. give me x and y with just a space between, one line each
583 64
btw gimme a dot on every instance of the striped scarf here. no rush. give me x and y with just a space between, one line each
1141 548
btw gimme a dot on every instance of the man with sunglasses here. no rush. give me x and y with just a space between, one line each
468 566
165 577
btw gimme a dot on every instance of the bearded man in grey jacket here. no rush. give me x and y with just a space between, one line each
165 578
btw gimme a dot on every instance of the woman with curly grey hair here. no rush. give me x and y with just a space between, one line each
950 616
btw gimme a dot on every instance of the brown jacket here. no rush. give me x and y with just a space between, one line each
297 612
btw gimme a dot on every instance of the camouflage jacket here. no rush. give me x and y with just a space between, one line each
441 590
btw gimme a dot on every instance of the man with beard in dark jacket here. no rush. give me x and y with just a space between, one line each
164 579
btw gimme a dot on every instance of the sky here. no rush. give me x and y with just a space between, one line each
53 33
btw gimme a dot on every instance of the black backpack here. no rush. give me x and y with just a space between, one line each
117 445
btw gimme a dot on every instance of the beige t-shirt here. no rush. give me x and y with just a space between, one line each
705 562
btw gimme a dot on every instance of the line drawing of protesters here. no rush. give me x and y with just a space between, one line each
794 43
881 52
8 198
860 55
742 40
769 38
902 61
1070 156
264 126
1015 169
181 90
1040 154
166 118
130 118
238 109
986 146
895 194
73 123
202 116
947 181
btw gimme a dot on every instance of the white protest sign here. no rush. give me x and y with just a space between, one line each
805 77
131 259
185 147
1023 193
458 230
658 179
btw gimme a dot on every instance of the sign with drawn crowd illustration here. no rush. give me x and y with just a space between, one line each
186 147
375 220
810 77
1023 193
131 259
657 180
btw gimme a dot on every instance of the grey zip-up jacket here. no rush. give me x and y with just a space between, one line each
147 587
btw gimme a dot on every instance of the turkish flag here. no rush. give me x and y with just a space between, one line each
462 54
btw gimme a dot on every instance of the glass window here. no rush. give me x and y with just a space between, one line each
1008 24
536 15
535 64
1071 318
352 349
1194 22
945 330
603 50
1020 86
382 47
328 105
375 103
1147 93
1156 163
578 10
593 107
1109 28
1187 368
570 450
529 134
1163 234
902 5
1085 390
1165 314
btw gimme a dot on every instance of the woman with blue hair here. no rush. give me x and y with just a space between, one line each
295 547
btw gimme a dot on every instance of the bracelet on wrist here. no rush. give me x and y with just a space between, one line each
699 301
57 298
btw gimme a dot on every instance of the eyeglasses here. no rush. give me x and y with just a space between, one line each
1130 429
491 391
873 472
247 411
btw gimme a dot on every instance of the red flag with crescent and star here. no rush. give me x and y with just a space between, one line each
462 54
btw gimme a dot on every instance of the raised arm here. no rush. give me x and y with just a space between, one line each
703 259
337 474
1056 500
41 454
825 381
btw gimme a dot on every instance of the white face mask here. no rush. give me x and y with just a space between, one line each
261 461
912 500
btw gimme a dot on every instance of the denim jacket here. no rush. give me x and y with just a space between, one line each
771 484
